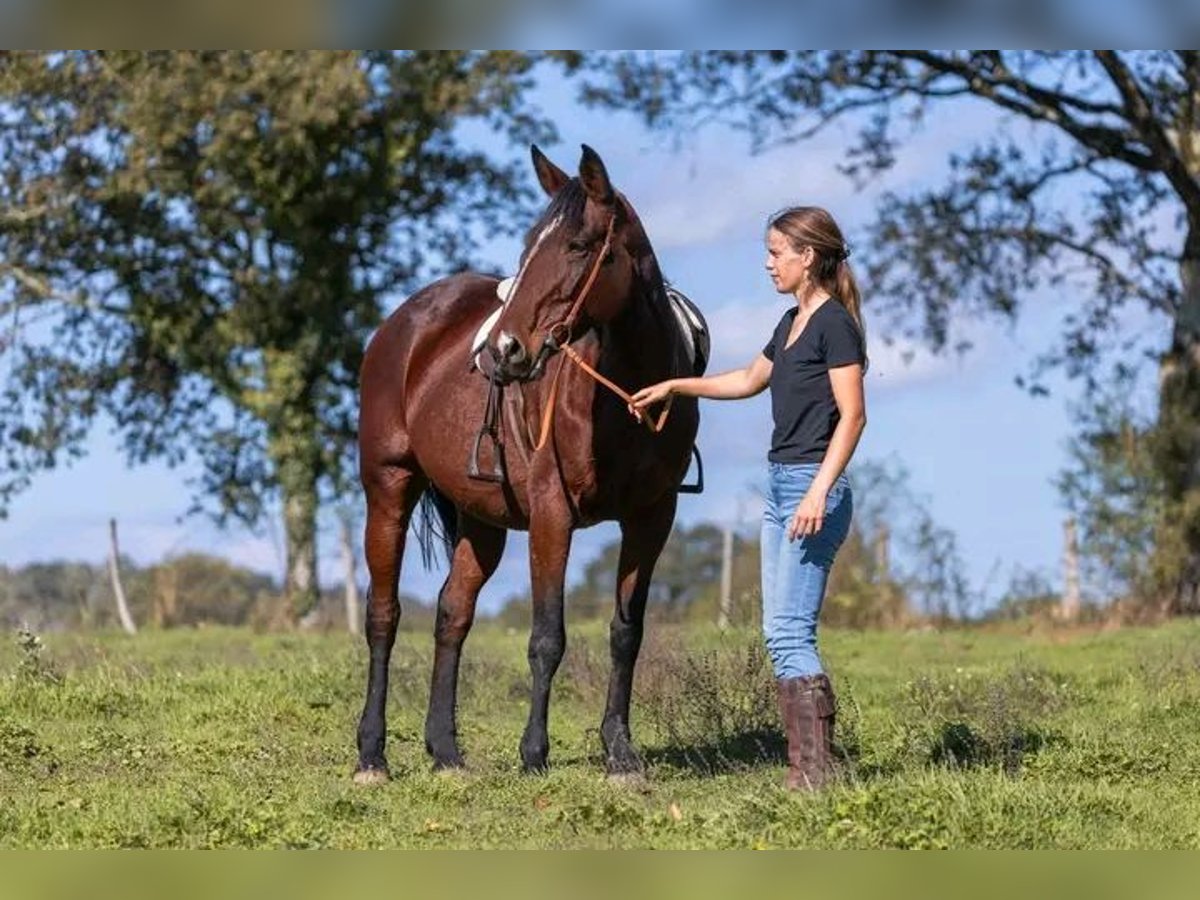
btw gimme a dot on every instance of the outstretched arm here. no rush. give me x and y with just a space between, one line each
734 385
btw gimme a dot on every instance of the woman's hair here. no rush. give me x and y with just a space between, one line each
811 226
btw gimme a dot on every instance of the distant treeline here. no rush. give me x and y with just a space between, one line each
869 588
183 591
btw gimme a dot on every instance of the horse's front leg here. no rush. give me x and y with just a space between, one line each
476 555
643 535
549 544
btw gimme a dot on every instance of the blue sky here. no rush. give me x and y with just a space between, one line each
980 451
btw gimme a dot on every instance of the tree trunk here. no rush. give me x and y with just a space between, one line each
348 557
114 572
883 572
297 466
1178 433
300 533
725 603
1068 609
166 595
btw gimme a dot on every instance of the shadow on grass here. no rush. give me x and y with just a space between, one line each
735 753
959 746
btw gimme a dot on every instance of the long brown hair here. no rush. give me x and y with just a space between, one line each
812 226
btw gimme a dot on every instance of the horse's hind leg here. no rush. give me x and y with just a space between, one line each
642 539
392 494
476 555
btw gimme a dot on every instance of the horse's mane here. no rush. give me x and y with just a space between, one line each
569 203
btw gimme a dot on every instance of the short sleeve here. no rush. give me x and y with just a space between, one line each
779 334
769 350
843 342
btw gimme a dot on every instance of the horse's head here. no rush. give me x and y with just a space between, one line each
580 266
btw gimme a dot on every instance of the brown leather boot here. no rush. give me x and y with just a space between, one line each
807 706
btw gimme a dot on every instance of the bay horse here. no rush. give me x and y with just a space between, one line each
588 294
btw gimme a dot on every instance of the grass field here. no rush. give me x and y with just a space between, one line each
214 738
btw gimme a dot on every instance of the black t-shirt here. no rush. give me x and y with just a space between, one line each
801 393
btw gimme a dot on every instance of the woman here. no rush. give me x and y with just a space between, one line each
814 364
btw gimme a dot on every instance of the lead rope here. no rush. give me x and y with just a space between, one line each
548 412
565 326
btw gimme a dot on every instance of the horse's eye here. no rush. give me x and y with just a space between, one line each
577 246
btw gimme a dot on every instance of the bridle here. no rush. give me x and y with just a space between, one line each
558 337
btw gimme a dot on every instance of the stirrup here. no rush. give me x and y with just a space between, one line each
698 487
496 476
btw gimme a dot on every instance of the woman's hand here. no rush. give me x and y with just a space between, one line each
648 396
809 515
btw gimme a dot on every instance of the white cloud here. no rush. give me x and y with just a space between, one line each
705 194
713 189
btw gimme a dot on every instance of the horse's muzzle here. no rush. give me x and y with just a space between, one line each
512 359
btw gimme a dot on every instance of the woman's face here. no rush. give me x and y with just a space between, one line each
787 268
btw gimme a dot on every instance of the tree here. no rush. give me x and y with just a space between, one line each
689 566
1120 131
876 582
897 560
1118 494
195 588
55 595
197 245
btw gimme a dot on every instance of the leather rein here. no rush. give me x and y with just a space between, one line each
558 337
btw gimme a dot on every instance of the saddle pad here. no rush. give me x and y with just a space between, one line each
693 328
481 336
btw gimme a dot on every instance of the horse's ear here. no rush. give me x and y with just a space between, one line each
594 177
550 176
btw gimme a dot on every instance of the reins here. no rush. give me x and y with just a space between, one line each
553 343
558 337
548 412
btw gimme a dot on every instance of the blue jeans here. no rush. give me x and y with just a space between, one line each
794 573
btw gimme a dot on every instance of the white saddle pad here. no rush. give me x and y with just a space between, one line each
693 328
502 291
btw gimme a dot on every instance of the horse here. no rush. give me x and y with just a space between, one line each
588 312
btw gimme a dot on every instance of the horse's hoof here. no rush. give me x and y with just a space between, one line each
625 762
535 767
534 759
449 766
632 781
372 776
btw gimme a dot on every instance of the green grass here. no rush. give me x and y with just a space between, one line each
221 737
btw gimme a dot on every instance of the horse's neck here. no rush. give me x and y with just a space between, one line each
643 339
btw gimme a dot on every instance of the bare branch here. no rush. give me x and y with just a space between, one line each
1039 105
22 216
1117 272
1004 76
1150 128
45 291
827 116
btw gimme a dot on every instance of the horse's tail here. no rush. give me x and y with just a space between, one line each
437 523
